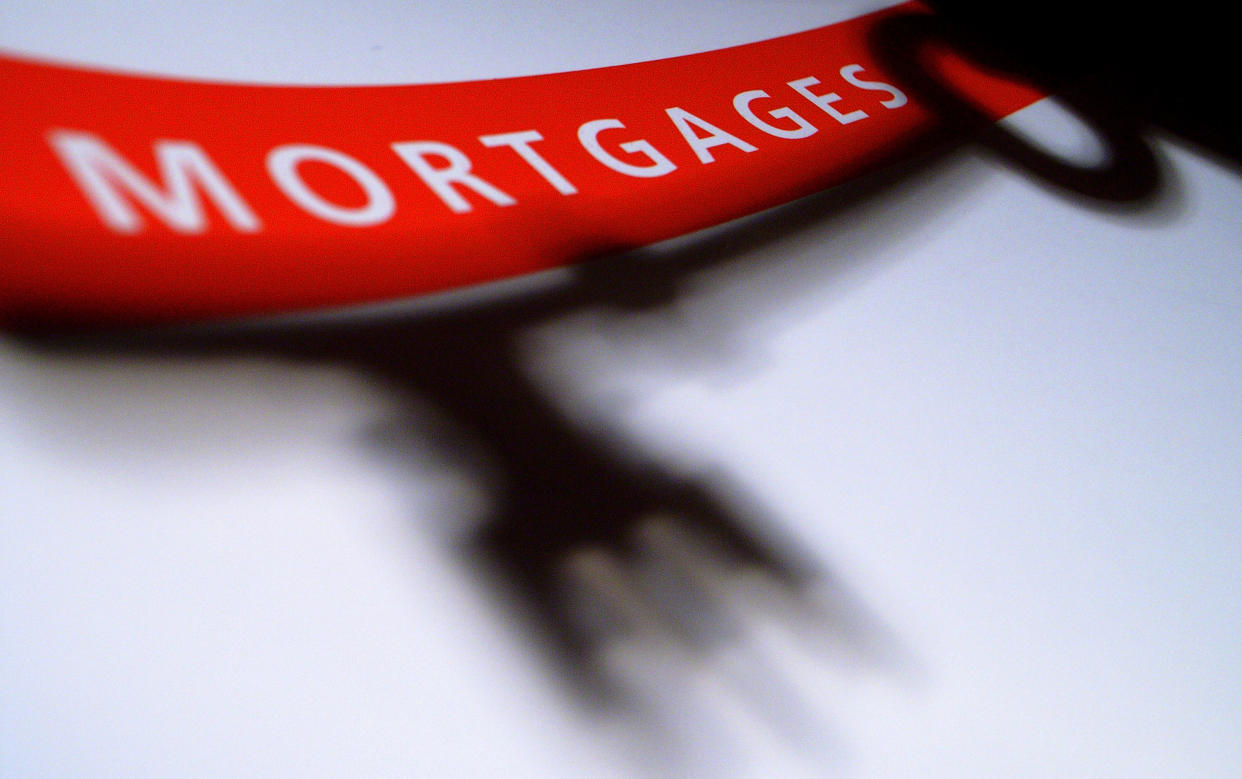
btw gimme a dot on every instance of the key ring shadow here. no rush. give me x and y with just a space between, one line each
1128 178
598 542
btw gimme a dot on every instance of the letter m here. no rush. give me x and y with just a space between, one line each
113 186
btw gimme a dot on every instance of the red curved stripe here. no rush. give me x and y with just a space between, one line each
66 256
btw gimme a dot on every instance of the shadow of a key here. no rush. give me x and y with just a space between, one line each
600 542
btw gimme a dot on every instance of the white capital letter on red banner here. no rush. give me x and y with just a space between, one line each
742 103
282 165
715 136
588 136
850 74
444 181
825 101
185 168
520 142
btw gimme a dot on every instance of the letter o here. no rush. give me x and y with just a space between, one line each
282 166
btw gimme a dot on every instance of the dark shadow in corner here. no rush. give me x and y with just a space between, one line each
1170 67
1128 179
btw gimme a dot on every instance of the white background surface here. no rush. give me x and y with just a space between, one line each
1008 422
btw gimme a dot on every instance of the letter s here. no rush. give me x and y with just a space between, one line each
898 98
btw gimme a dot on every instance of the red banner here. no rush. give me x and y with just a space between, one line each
145 199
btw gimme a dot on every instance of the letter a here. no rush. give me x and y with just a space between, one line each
715 136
